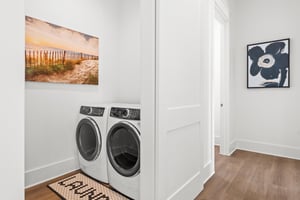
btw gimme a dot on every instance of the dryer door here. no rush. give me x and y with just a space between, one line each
123 148
88 139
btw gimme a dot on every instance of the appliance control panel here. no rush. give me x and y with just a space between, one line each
92 111
125 113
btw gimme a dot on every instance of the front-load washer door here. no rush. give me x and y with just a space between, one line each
88 139
123 148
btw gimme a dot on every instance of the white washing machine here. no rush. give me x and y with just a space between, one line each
123 149
91 141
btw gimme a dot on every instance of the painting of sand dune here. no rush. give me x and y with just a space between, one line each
60 55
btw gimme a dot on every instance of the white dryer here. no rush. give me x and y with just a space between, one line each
91 141
123 149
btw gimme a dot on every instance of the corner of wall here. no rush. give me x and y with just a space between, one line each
232 147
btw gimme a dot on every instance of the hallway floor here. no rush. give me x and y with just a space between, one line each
253 176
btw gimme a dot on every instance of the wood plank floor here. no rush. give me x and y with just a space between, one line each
252 176
242 176
42 192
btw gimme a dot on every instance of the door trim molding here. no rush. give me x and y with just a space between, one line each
148 100
221 13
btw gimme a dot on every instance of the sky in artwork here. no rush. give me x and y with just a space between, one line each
41 34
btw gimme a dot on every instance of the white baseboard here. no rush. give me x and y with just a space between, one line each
47 172
192 187
208 170
217 140
271 149
232 147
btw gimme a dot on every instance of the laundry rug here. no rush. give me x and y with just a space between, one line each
81 187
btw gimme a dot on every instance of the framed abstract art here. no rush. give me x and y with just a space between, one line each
268 64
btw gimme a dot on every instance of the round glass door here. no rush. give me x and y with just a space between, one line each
88 139
123 148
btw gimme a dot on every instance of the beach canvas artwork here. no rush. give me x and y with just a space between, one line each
60 55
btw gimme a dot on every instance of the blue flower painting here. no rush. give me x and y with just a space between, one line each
268 64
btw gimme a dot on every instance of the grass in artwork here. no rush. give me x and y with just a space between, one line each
46 70
92 79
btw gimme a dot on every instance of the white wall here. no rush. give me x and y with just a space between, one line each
12 100
266 120
51 109
130 64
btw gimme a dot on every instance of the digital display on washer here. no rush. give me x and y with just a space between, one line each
92 111
125 113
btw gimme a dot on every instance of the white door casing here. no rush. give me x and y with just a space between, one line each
221 13
148 100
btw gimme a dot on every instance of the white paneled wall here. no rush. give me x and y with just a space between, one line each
179 67
181 122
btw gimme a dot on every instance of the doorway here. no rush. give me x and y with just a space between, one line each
220 79
218 30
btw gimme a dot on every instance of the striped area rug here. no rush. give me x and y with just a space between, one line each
81 187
